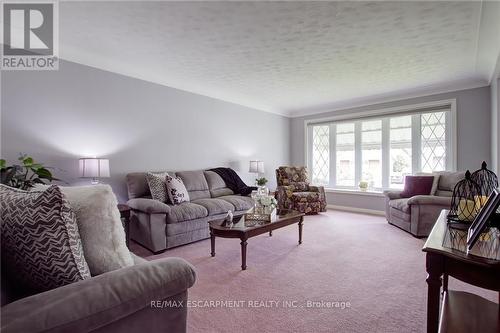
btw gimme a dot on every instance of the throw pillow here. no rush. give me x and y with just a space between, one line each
417 185
41 246
100 225
177 192
435 182
157 185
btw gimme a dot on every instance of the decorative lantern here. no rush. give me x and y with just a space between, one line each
486 179
466 200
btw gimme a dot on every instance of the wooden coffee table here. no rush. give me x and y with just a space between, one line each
239 230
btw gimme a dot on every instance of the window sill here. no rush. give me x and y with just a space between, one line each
355 192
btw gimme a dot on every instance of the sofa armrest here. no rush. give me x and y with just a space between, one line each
430 200
92 303
320 189
148 206
283 196
391 195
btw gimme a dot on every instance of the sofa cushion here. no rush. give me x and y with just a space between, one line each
41 245
137 185
186 211
215 206
177 192
239 202
448 180
287 175
300 186
444 193
216 185
196 184
306 197
400 204
157 185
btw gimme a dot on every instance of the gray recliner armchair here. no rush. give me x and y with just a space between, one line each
418 214
124 300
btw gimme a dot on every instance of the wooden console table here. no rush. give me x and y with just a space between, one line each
460 311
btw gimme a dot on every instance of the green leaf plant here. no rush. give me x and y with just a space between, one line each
25 174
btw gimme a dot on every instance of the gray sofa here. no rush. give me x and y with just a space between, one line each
159 226
418 214
116 301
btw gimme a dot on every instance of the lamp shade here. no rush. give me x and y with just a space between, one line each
256 167
94 167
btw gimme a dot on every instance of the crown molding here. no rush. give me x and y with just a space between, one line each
391 97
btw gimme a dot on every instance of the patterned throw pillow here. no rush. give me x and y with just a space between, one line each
41 246
177 192
157 185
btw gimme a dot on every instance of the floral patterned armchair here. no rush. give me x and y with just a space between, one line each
294 191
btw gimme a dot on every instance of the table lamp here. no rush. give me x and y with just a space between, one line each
256 167
94 168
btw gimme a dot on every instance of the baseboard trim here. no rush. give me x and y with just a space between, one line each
357 210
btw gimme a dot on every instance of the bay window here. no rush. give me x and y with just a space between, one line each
380 149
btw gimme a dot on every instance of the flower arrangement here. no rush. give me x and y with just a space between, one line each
267 201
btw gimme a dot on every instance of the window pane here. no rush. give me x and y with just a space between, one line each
321 155
371 152
433 138
345 154
400 150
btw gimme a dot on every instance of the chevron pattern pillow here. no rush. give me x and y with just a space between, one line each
157 185
41 247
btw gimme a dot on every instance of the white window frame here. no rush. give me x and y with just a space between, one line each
358 117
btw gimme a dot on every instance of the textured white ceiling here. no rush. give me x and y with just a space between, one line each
283 57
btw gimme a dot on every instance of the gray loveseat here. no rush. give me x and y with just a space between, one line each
418 214
159 226
123 300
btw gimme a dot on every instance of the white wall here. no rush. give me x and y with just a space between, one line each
495 125
60 116
473 136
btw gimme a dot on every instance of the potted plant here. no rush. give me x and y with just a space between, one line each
261 183
26 174
363 185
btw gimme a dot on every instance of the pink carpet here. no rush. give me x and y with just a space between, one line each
345 257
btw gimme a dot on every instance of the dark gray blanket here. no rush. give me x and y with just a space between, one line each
233 181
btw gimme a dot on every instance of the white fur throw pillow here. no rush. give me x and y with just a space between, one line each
177 192
100 226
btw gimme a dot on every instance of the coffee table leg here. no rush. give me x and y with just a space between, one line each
243 253
300 229
212 244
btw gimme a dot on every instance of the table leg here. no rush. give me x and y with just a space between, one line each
270 233
127 231
434 267
300 229
212 244
445 283
243 253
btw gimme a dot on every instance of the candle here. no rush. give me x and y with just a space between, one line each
467 210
